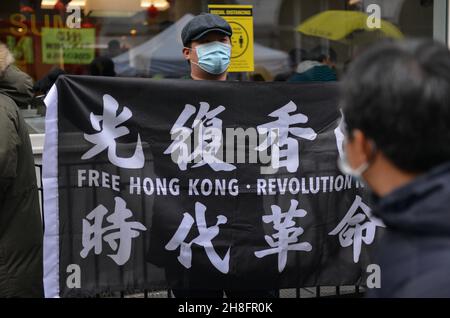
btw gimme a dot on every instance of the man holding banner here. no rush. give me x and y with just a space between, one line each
207 47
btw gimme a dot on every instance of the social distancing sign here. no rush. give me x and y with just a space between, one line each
240 18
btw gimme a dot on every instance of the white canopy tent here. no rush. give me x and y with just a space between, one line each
162 55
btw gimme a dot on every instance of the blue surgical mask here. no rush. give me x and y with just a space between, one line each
214 57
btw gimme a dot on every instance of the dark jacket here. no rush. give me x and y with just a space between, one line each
20 220
414 254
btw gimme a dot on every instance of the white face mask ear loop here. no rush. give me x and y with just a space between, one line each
361 169
196 64
358 172
365 166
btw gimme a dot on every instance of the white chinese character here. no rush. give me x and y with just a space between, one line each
356 228
120 236
207 129
284 149
287 235
109 129
339 133
206 235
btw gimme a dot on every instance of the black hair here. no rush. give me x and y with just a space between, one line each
320 53
296 56
398 95
113 45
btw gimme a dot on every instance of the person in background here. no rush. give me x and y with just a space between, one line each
324 56
42 87
102 66
44 84
261 74
114 49
318 66
396 105
21 230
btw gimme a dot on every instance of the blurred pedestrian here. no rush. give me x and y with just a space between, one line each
102 66
396 104
114 49
21 233
319 65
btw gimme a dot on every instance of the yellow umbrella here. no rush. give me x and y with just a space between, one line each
336 25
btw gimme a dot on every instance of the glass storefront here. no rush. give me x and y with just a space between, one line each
141 38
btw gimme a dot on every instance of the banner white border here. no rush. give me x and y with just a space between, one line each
51 196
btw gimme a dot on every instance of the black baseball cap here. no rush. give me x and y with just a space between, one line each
203 24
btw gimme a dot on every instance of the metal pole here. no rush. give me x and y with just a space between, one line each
440 20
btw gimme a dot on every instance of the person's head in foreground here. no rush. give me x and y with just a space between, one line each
396 105
207 46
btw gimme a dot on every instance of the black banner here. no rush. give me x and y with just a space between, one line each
199 185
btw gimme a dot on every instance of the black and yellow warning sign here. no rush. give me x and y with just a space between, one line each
240 18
